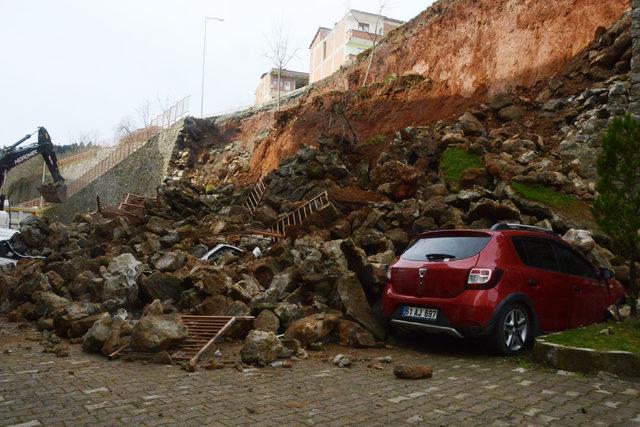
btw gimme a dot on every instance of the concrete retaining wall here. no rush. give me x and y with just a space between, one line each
140 173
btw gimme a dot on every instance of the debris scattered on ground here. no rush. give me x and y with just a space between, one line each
412 372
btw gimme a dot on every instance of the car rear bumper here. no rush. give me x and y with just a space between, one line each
466 315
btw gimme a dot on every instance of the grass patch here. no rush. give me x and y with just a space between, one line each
546 195
456 160
569 206
625 337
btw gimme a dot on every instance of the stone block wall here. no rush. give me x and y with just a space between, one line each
140 173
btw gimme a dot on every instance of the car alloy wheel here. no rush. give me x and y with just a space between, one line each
516 329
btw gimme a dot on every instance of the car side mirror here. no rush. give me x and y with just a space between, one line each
606 274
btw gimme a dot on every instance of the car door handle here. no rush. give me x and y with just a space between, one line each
533 282
577 289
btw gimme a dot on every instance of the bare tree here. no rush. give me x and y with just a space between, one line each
144 112
125 128
374 35
280 52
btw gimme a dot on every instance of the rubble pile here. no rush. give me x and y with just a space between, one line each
109 283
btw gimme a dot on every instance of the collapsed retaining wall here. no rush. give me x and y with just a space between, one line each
140 173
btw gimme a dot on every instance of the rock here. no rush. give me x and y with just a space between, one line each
153 309
153 334
267 321
580 239
113 342
493 210
312 329
95 337
266 215
244 290
171 261
471 125
48 303
399 238
473 177
118 292
261 348
498 102
355 305
126 266
215 305
342 361
354 335
198 251
412 372
163 286
282 284
511 113
288 312
76 319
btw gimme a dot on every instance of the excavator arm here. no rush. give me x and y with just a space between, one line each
12 156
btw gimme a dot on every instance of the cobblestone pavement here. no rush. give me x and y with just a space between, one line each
469 387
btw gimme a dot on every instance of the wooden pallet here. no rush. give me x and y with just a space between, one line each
203 331
132 208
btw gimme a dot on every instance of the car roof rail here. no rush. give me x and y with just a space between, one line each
508 226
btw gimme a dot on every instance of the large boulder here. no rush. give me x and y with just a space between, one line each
471 125
267 321
76 318
154 333
34 231
314 328
261 348
581 239
355 306
48 303
354 335
97 335
171 261
163 286
121 288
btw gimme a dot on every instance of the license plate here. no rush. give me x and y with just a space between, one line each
420 313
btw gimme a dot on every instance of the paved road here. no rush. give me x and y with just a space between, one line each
469 387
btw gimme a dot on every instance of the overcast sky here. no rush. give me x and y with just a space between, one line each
79 66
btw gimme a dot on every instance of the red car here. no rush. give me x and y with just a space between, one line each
511 283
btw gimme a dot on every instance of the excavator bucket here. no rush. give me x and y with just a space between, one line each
55 192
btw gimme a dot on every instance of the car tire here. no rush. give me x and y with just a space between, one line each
513 329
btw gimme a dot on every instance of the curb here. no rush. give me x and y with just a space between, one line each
586 360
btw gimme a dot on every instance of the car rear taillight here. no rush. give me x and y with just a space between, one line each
483 278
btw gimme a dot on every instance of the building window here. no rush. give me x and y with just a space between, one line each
324 49
363 27
287 85
274 82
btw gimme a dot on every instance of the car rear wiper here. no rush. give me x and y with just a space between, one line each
432 257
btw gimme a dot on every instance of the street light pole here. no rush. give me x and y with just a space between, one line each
204 56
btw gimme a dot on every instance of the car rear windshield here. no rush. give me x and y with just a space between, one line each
453 247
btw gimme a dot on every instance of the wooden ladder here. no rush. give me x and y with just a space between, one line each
297 217
255 196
